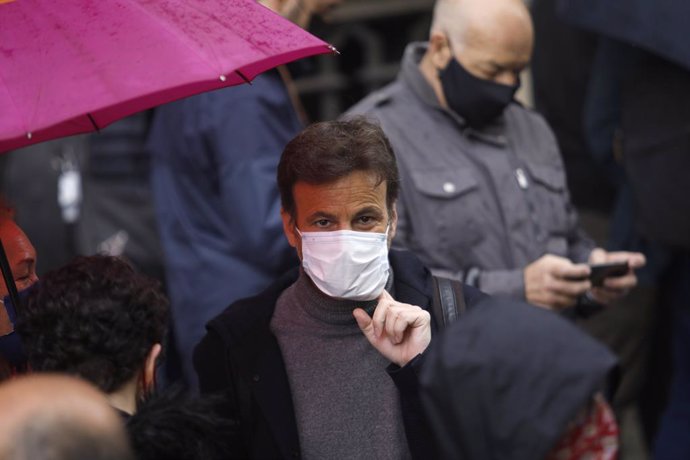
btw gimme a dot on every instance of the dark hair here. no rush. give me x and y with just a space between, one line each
95 318
172 425
327 151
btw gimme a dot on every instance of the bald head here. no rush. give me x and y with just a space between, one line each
53 417
502 23
491 39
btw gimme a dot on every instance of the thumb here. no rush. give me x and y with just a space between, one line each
597 256
364 321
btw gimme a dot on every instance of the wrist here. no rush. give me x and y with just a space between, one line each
588 305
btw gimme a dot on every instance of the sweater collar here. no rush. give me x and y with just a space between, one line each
330 309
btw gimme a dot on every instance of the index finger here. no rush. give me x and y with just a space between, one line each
385 295
379 316
572 271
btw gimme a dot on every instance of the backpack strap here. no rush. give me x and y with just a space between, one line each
448 301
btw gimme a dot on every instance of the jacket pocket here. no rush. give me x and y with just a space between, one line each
550 201
447 207
444 184
550 177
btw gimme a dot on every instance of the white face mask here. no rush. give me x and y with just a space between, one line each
346 264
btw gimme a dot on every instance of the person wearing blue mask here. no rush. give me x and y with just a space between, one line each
483 190
323 364
21 257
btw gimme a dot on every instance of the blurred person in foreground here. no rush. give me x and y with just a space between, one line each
55 417
491 393
98 319
214 159
484 196
323 363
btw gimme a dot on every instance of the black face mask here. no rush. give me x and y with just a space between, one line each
476 100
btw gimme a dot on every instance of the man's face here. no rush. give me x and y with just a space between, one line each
496 58
21 256
355 202
495 48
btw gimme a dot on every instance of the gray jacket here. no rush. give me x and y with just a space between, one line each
475 205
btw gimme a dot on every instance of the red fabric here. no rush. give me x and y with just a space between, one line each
593 435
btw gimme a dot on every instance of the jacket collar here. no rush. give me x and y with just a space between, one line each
412 77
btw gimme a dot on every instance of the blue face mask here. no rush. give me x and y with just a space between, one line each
11 348
476 100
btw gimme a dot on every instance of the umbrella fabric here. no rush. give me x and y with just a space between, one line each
659 26
73 67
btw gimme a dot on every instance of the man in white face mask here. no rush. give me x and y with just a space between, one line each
323 364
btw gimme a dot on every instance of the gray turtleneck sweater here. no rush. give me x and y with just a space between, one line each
346 405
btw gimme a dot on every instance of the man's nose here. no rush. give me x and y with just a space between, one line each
508 78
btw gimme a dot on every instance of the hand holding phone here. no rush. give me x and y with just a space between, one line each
599 272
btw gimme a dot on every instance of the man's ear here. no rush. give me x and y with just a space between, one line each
288 227
393 223
150 366
439 50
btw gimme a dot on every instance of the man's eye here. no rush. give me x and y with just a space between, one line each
321 223
367 221
22 283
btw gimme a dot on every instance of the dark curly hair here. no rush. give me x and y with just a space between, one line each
172 425
95 318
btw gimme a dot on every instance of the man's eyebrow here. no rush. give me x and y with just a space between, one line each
370 210
320 215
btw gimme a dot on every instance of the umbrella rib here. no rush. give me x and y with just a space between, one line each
243 77
93 122
23 121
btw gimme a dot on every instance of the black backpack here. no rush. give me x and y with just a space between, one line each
448 301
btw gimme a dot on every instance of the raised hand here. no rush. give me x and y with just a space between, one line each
399 331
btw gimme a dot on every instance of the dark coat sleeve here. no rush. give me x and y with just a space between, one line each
417 429
215 379
209 362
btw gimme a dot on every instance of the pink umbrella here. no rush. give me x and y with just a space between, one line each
69 67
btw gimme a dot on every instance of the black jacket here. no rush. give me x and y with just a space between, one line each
240 357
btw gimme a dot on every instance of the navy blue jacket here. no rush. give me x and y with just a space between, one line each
240 357
214 162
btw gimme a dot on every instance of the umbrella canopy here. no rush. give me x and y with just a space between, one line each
659 26
77 66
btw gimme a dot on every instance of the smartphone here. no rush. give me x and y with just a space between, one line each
609 270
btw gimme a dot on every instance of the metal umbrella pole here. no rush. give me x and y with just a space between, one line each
9 279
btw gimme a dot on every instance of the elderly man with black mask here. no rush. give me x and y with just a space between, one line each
484 196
